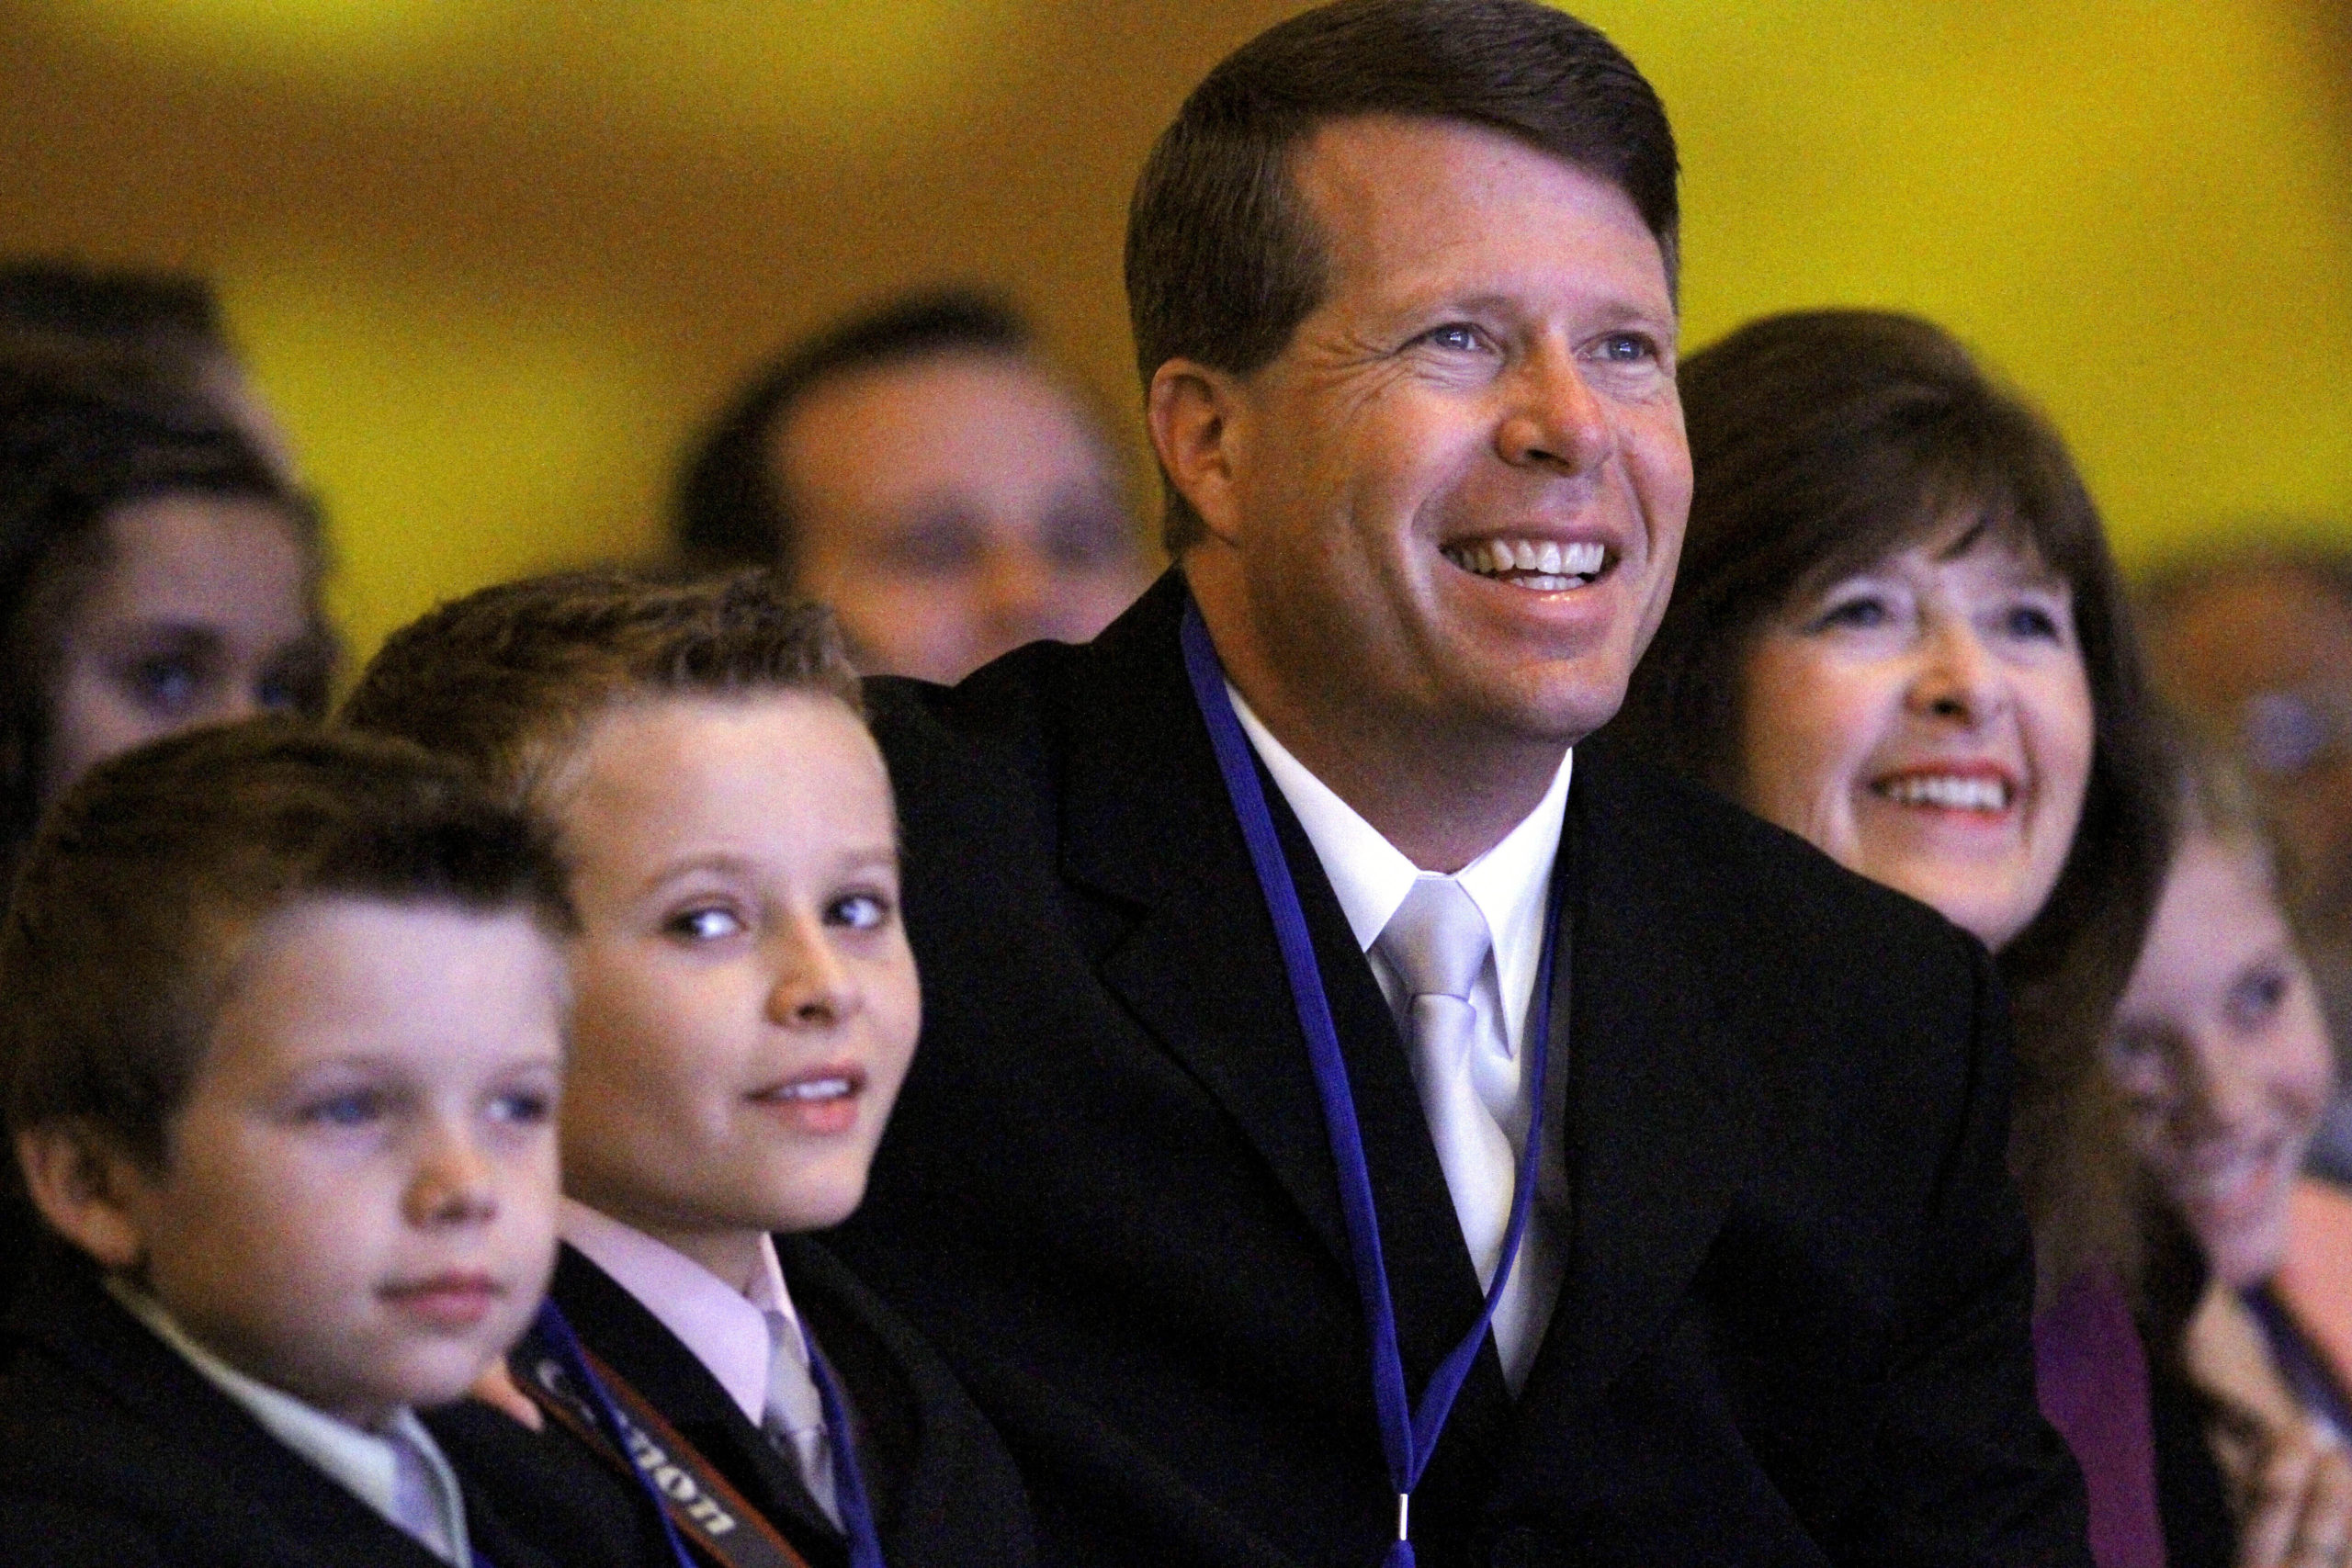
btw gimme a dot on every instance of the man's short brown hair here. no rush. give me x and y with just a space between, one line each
506 680
1222 265
138 896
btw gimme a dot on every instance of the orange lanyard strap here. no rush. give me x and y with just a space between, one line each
700 1501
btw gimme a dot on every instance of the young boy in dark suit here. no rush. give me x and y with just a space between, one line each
282 1015
746 1008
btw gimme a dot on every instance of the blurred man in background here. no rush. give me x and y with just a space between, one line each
921 470
2258 651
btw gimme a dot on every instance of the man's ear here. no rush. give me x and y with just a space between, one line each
1190 411
81 1183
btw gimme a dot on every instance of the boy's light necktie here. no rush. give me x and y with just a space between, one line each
795 1417
416 1497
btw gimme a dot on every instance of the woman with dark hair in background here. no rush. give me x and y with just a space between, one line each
155 573
1897 632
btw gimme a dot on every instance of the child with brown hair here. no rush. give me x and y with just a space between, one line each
746 1009
282 1018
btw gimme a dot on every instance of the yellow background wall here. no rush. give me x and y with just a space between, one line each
494 258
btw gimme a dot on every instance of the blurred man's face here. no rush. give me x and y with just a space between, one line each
953 508
2265 657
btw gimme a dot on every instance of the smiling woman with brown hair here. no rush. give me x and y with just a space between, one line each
1897 632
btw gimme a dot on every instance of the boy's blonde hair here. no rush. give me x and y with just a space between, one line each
507 679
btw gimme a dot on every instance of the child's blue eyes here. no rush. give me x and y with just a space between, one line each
704 925
858 911
2030 621
166 684
369 1107
524 1107
357 1109
2256 996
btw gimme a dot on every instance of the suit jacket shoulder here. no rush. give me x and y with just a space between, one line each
579 1511
944 1490
114 1450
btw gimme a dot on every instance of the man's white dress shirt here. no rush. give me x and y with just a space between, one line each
1508 885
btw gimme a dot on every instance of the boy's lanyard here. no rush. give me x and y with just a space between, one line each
1408 1436
691 1498
849 1484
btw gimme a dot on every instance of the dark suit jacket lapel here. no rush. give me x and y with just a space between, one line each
1147 824
1657 1137
634 1343
873 1383
1148 821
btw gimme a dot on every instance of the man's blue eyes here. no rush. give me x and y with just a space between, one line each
1619 348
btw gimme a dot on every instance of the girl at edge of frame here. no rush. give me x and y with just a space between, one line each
2222 1052
156 572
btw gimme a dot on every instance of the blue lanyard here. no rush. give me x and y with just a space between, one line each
556 1329
849 1484
1408 1436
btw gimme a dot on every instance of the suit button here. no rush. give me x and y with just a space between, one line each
1517 1549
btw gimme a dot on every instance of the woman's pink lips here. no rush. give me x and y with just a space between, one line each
454 1300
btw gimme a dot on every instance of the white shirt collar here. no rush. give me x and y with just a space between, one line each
361 1460
725 1329
1371 876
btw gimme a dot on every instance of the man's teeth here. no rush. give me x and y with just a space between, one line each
1953 791
814 1089
1544 564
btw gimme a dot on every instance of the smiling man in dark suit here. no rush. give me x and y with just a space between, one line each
1292 990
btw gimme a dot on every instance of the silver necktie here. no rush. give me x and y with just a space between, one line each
795 1417
1437 942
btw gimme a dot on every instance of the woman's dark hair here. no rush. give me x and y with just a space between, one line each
1823 442
78 442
